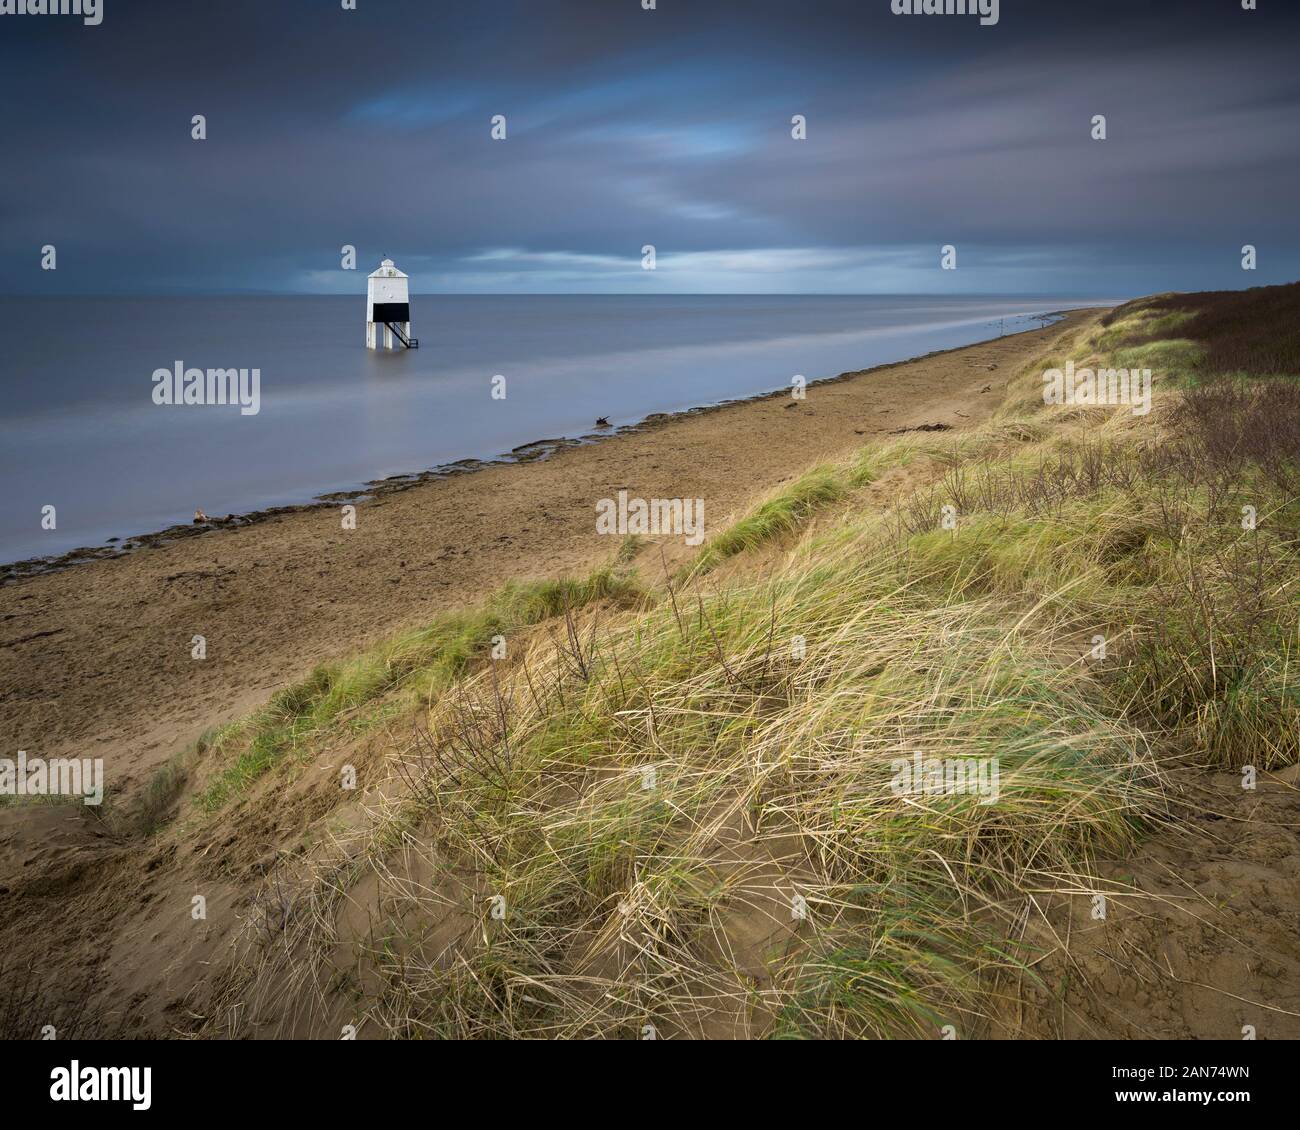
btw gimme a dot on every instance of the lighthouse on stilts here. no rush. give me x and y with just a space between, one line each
388 303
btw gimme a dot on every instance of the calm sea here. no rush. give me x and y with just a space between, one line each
81 432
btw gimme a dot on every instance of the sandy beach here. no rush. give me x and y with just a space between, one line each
96 658
576 522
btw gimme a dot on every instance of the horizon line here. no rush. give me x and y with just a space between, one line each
254 293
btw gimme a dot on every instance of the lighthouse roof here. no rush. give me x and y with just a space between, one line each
387 271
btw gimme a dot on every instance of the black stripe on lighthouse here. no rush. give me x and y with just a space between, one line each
392 312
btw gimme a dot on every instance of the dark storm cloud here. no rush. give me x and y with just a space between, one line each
629 127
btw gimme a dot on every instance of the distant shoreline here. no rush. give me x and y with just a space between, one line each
530 452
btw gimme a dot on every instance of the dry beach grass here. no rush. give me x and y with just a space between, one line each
667 807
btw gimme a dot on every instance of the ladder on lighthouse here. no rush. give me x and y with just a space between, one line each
409 342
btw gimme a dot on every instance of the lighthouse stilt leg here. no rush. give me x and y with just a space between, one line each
388 336
370 335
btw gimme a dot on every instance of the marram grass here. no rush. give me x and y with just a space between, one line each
679 816
768 881
428 658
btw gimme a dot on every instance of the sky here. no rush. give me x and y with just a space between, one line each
669 127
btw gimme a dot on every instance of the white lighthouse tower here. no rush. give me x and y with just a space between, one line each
388 303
